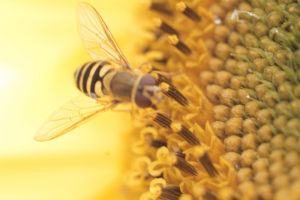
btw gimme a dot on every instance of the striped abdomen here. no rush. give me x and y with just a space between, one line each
90 78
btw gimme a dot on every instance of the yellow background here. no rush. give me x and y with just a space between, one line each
40 49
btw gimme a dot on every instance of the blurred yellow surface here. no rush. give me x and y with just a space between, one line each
40 49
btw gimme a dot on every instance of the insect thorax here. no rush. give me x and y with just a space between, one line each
128 86
122 85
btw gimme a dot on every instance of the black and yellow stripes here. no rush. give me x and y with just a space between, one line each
89 78
85 75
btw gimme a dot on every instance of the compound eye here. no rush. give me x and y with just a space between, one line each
145 90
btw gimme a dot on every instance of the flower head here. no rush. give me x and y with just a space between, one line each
237 64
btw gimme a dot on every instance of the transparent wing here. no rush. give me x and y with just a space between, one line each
96 36
71 115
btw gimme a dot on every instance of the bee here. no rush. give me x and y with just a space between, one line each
108 80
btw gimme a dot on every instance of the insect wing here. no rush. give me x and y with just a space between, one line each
97 38
69 116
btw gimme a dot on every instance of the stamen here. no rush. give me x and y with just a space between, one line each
185 133
182 47
187 11
162 60
158 143
146 49
183 165
170 193
157 34
161 7
154 107
180 154
163 120
209 196
207 164
165 27
173 93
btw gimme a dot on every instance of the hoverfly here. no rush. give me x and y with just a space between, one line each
108 80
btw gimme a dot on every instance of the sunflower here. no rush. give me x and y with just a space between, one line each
237 63
228 130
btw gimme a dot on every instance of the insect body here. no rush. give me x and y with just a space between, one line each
100 78
108 80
